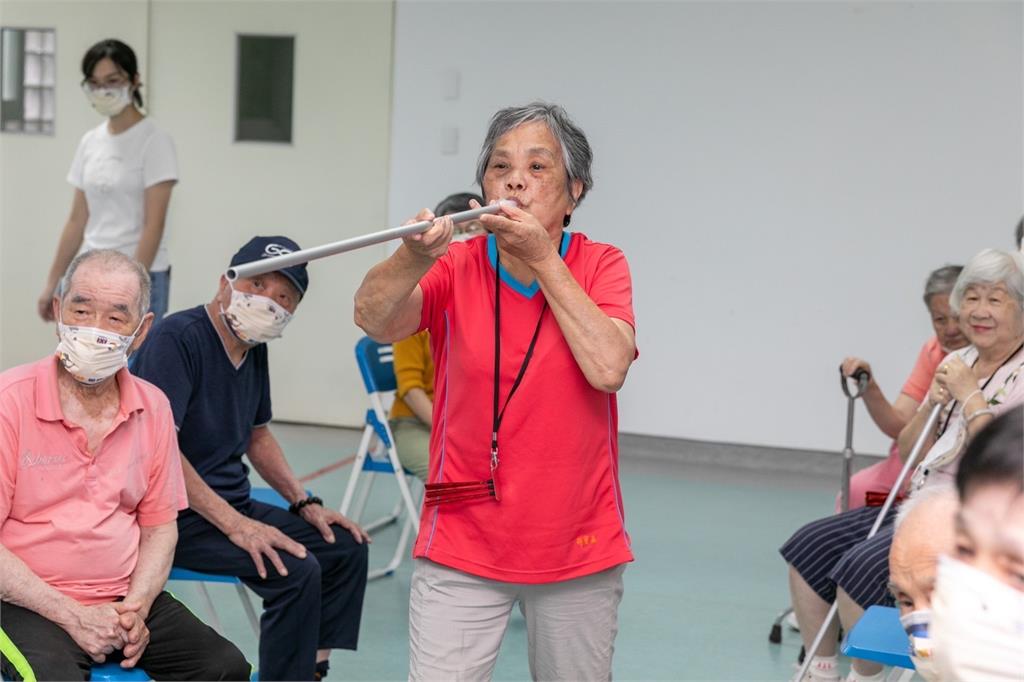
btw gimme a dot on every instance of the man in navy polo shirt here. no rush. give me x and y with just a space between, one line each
211 361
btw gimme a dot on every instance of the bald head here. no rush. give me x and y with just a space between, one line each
924 530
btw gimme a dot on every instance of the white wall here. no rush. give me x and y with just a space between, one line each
781 176
330 183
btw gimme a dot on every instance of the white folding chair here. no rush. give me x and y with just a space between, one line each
377 453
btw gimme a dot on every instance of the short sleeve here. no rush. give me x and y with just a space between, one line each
8 464
76 174
436 286
159 160
165 493
264 412
164 362
410 364
611 287
920 379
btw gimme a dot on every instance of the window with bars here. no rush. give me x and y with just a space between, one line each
28 79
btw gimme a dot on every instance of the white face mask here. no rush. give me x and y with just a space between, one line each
917 625
109 101
92 355
977 625
255 319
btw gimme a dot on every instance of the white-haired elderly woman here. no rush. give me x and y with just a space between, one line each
830 559
532 332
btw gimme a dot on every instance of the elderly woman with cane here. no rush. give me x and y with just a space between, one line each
833 559
522 503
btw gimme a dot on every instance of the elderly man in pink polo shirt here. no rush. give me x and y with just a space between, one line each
90 488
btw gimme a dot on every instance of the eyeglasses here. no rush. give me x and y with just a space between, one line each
113 82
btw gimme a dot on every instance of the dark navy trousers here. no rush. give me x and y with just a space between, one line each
318 605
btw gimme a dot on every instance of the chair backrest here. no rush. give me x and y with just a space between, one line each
377 365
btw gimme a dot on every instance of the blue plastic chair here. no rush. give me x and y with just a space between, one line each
377 453
878 636
267 496
113 672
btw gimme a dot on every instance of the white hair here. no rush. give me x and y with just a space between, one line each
991 267
931 492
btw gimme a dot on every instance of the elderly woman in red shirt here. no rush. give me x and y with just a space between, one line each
532 333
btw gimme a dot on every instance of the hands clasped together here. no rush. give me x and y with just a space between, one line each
101 629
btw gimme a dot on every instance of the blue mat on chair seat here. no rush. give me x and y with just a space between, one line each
878 636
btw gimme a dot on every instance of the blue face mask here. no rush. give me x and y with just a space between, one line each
917 624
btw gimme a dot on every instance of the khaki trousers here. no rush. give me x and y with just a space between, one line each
457 622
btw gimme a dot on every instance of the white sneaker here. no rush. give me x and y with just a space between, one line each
820 671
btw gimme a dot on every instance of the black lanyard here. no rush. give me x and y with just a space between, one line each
498 415
952 405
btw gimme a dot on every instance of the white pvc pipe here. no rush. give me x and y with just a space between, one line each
265 265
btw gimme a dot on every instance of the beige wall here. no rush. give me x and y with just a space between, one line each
34 196
330 183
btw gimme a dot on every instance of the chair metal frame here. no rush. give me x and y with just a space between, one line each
377 453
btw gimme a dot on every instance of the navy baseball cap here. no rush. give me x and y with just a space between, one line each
268 247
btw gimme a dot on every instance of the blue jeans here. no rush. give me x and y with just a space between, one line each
160 292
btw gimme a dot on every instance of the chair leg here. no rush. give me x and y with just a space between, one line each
364 495
409 528
403 541
357 469
210 610
411 508
254 620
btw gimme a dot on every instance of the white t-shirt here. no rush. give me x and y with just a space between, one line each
114 171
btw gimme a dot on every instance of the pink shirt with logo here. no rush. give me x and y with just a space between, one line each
74 517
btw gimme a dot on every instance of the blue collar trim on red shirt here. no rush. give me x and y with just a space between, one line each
525 290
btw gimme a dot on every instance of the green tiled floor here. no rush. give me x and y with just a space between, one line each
699 600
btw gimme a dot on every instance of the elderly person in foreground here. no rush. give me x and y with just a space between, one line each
831 558
523 504
924 532
90 487
978 607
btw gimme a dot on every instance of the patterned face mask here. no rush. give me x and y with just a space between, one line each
92 355
255 319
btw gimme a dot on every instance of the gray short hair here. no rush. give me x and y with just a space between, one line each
922 496
576 153
110 259
991 267
940 282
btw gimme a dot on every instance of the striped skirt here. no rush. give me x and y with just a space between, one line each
834 552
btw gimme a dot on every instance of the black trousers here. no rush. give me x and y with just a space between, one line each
181 647
318 605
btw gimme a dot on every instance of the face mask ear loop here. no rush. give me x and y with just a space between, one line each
128 351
